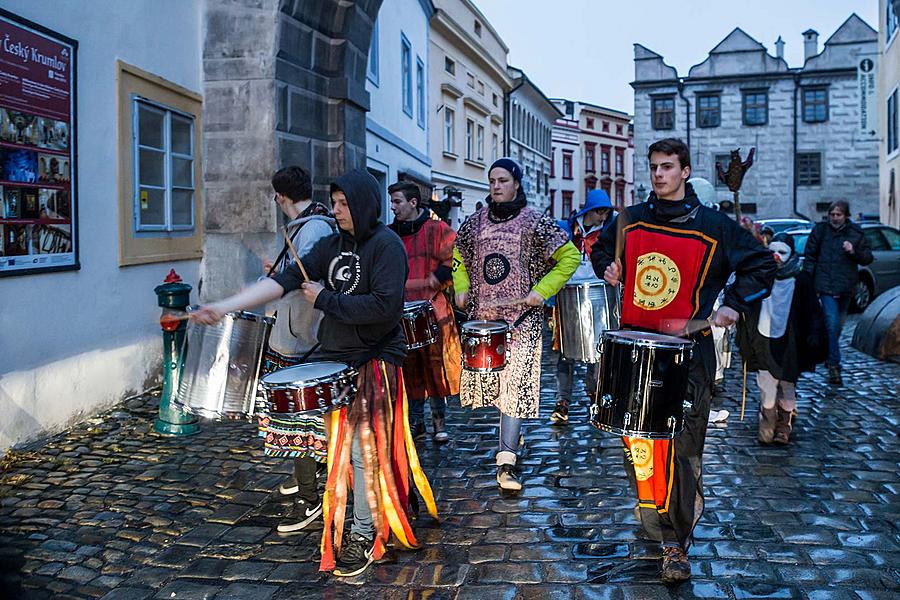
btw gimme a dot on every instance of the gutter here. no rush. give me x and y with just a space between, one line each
687 111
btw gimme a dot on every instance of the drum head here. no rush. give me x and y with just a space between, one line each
485 326
646 338
317 371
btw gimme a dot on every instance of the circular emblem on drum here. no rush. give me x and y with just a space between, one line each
496 268
642 455
657 281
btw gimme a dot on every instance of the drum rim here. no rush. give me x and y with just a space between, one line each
290 385
250 316
609 334
633 433
497 327
585 283
413 304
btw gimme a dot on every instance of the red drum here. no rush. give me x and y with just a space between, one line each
484 345
317 387
419 324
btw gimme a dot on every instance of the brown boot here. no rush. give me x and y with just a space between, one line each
782 427
675 565
767 418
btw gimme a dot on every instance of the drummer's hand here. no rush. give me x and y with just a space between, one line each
534 299
461 300
613 272
725 317
311 290
209 314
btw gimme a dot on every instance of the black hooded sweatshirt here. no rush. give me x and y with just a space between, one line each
364 275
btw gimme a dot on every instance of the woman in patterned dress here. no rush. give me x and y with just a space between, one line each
508 260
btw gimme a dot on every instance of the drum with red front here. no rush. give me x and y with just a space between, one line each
419 324
317 387
484 345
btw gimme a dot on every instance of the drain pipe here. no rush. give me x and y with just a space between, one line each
687 111
794 157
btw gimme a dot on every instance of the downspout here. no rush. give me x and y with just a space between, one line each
794 157
687 111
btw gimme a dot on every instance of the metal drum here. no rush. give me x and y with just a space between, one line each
220 366
587 308
419 324
317 387
484 345
642 384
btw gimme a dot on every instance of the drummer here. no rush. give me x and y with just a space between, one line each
509 259
432 371
584 229
364 271
702 248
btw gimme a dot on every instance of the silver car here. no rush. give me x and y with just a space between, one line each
882 274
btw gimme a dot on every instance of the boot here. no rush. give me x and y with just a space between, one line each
767 418
834 375
782 427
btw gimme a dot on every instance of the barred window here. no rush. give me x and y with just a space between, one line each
815 105
756 107
809 168
663 110
709 111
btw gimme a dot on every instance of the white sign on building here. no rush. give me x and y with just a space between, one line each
867 82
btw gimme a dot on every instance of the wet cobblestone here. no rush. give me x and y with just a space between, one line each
111 510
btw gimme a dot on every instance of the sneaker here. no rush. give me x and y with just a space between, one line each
417 429
321 470
718 416
355 557
288 487
301 514
560 415
507 478
675 565
440 433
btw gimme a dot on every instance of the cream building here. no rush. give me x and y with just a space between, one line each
468 82
888 111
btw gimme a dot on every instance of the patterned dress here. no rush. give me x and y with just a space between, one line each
504 261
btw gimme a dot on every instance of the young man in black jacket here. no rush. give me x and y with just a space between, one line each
700 249
364 268
834 251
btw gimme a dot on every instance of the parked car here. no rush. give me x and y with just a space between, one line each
881 275
779 225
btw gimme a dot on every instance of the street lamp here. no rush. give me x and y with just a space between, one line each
641 190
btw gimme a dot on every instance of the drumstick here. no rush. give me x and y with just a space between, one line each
744 391
505 302
290 244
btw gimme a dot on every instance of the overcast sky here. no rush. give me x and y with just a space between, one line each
582 49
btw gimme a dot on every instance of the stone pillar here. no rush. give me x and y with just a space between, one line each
284 84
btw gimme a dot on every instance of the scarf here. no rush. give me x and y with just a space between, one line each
403 228
667 210
498 212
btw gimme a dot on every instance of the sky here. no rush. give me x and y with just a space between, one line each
583 49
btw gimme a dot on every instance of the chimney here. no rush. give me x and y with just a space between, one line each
779 48
810 44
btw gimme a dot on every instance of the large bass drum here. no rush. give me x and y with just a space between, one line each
587 308
642 384
220 366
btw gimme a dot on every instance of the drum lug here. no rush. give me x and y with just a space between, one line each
606 400
594 410
634 354
679 358
671 424
627 419
687 406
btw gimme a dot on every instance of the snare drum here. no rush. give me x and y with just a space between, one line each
484 345
317 387
220 366
642 384
419 324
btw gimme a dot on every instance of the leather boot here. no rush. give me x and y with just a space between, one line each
782 427
767 418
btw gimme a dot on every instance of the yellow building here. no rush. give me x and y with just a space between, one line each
888 110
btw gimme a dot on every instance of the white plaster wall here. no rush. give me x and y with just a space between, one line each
76 342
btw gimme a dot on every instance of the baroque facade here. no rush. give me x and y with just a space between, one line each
889 111
813 143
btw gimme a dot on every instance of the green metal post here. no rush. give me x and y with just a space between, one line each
173 295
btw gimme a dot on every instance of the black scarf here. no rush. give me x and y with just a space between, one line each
790 268
498 212
666 210
403 228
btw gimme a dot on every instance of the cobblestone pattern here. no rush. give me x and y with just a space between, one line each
110 510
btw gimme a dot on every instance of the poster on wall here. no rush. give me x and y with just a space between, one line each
38 200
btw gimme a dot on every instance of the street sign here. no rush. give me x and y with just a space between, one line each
868 96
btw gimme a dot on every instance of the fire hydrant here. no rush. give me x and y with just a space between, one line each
173 296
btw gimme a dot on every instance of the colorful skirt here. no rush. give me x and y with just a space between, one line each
289 436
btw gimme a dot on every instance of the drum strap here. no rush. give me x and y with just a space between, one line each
524 316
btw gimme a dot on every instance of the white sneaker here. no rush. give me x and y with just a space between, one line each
302 514
288 488
718 416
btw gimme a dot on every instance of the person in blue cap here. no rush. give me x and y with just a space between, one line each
583 228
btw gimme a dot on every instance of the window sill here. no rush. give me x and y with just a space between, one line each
474 163
755 124
450 155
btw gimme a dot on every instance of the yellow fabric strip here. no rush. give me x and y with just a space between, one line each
460 275
415 467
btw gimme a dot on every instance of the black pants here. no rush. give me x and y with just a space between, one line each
305 474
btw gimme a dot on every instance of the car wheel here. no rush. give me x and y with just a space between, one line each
862 296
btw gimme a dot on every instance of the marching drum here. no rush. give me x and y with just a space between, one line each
419 324
484 345
587 308
220 366
312 387
642 384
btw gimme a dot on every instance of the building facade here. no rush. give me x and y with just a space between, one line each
396 78
468 82
529 126
592 149
889 111
814 143
76 341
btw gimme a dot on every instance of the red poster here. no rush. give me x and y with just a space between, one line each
37 148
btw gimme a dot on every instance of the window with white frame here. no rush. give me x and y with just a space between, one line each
420 92
372 70
495 145
163 168
449 124
450 65
891 23
479 143
406 75
470 139
893 142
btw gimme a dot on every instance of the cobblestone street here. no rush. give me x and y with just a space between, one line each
111 510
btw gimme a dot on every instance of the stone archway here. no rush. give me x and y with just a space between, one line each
284 83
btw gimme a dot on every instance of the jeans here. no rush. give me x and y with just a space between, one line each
835 309
565 371
417 409
509 440
362 514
